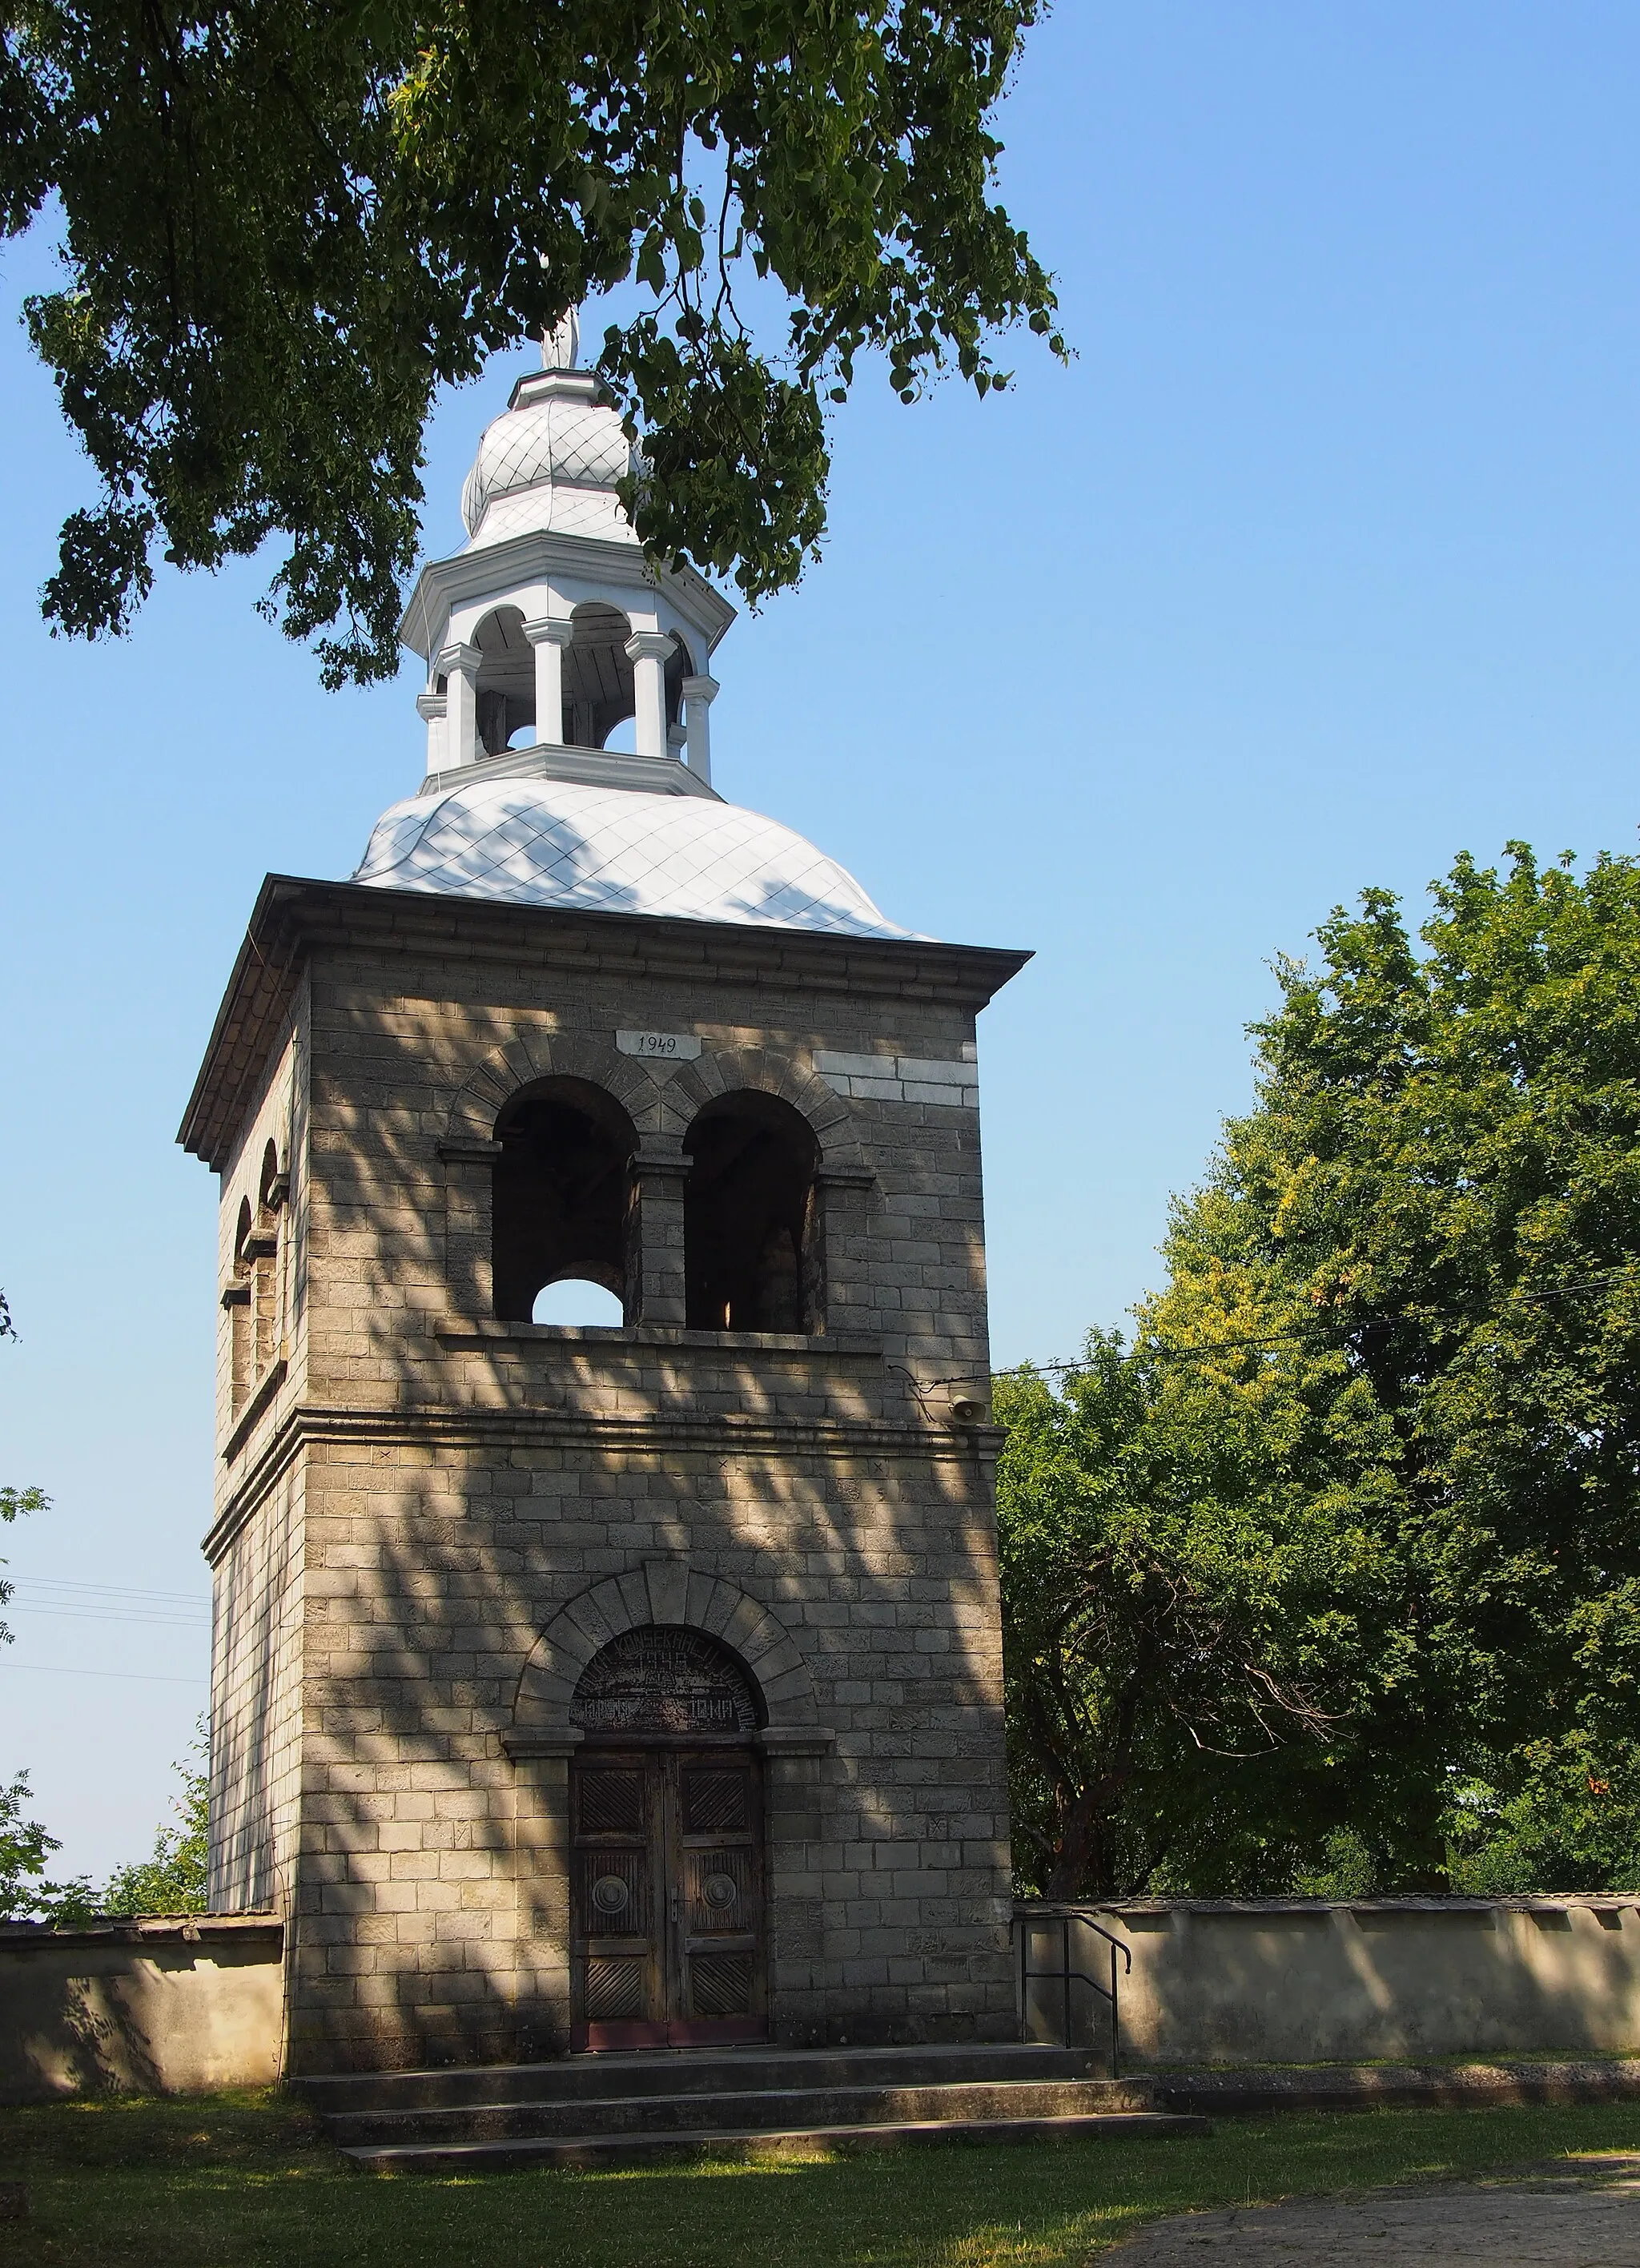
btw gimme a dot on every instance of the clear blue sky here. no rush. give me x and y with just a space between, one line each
1320 563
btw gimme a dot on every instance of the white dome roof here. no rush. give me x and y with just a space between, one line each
556 842
551 461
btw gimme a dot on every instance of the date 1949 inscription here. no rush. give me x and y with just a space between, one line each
666 1047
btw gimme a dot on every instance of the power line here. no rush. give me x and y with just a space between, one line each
112 1591
138 1676
109 1615
58 1597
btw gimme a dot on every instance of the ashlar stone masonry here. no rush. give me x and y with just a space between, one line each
430 1520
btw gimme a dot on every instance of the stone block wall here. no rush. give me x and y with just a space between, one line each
140 2007
447 1485
1236 1981
260 1586
424 1925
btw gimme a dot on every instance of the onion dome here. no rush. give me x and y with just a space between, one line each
552 459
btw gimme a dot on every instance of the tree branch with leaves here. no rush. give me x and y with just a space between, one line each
283 228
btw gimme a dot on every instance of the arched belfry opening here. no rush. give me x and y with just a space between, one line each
751 1221
505 692
240 1298
676 667
562 1194
263 1246
599 686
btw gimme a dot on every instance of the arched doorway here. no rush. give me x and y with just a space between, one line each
667 1933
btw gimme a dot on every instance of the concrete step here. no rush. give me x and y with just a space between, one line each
763 2143
740 2111
1261 2088
688 2070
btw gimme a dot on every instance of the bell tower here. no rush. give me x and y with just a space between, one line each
623 1684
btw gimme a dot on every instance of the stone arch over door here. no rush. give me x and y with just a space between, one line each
670 1593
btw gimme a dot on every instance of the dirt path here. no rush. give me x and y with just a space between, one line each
1586 2216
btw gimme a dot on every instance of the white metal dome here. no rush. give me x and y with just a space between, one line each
557 842
551 461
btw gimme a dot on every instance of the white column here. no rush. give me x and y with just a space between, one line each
550 639
699 693
459 666
430 707
649 651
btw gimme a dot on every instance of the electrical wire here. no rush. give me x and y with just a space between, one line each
56 1597
137 1676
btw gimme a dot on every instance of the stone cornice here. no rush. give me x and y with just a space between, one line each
490 1427
294 915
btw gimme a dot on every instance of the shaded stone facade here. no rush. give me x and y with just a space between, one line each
429 1521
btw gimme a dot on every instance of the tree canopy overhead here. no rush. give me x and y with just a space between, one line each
285 226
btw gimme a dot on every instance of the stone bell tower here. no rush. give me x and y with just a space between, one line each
600 1684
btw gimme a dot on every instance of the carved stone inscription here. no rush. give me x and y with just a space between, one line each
655 1679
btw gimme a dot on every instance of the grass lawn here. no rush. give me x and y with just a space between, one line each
218 2181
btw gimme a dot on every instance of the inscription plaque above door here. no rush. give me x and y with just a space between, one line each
660 1680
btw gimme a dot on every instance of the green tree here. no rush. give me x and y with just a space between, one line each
26 1893
172 1878
285 226
1408 1295
1180 1621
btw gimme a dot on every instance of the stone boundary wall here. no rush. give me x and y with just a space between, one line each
140 2007
1249 1981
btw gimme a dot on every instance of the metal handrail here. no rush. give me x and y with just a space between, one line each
1066 1975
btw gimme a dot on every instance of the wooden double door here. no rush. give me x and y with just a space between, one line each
668 1941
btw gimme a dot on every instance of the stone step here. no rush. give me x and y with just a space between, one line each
688 2070
741 2110
764 2142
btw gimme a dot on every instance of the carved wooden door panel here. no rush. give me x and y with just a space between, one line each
666 1903
716 1905
616 1908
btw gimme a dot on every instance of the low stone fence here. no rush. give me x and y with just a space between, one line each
174 2006
1292 1980
140 2007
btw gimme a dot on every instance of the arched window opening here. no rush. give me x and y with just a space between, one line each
598 676
563 1193
678 667
751 1230
505 692
237 1298
574 1302
263 1245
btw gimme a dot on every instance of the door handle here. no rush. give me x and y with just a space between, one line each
677 1907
